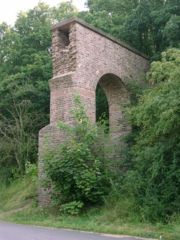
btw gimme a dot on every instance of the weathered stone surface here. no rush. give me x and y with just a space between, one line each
83 57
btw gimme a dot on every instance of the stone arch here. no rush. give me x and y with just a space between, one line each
82 57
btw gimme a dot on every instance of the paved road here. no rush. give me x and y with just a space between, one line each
9 231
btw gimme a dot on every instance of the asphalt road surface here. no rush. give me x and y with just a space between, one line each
9 231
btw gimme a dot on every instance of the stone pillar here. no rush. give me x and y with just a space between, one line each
61 100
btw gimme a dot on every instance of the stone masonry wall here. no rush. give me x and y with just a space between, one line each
64 51
82 56
97 55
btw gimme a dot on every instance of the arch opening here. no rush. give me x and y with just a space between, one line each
102 107
111 95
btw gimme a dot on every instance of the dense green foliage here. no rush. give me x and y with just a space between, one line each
25 68
151 173
77 167
156 150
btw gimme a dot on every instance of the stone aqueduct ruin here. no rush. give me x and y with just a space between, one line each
83 57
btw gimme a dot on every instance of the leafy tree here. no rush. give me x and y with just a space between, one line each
25 68
63 11
16 140
156 152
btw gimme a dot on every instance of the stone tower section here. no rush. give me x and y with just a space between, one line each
83 57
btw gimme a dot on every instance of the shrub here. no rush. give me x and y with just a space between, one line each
77 167
156 151
72 208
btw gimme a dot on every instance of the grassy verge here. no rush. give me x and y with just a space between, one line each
18 204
